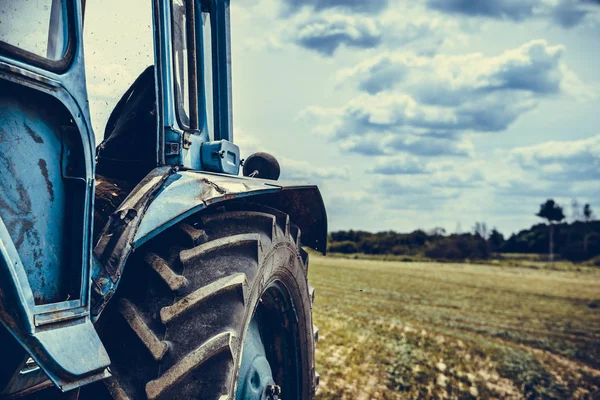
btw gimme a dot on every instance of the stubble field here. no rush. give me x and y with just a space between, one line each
391 330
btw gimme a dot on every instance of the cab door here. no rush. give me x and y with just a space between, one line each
46 199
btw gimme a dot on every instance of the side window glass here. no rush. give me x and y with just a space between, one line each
207 73
181 71
36 26
180 63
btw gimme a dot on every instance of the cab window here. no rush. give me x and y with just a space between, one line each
180 62
34 30
181 66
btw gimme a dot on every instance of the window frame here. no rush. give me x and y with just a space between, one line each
176 98
196 68
57 66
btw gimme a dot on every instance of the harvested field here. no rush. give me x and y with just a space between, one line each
393 330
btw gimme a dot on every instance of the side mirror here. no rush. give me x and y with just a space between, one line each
262 165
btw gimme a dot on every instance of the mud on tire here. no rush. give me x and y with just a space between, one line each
176 327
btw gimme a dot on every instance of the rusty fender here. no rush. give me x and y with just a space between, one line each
166 196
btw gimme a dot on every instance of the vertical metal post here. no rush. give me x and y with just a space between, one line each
200 69
551 241
191 54
165 79
159 76
221 70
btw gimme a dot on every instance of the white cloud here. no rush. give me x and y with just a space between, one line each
296 170
391 113
422 145
426 105
326 26
535 67
566 13
443 179
400 165
432 145
325 33
359 6
575 160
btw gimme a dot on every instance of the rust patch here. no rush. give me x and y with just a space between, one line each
16 210
34 136
26 227
215 186
17 213
49 186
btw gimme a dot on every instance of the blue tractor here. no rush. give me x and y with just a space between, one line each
144 268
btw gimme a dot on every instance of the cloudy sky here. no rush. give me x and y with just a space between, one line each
416 114
407 114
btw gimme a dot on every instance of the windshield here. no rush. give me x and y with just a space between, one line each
34 27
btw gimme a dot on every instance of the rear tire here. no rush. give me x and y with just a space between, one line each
177 326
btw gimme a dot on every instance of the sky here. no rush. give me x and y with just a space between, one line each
422 114
407 114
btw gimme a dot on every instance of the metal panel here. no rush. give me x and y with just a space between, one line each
220 23
187 192
59 350
47 149
39 202
16 305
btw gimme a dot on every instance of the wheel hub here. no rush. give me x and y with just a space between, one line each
255 381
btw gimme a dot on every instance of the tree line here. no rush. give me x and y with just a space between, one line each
578 240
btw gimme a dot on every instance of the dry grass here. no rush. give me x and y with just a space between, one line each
427 330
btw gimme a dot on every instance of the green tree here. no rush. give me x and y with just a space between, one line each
588 214
552 212
346 247
495 240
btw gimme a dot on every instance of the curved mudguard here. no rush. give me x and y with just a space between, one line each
166 196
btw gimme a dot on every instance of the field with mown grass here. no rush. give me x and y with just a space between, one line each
391 330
